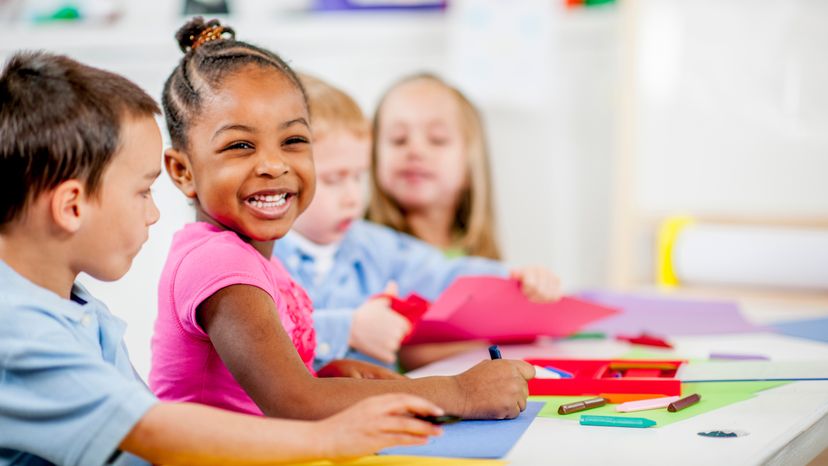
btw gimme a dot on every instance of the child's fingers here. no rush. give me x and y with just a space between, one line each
538 283
391 288
526 370
410 426
385 355
401 403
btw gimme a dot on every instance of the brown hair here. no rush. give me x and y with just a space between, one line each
331 108
211 53
474 220
59 120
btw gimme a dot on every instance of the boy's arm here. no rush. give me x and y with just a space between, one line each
242 321
425 270
185 433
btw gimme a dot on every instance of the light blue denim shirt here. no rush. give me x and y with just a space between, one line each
370 256
68 393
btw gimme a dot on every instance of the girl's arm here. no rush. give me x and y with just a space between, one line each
185 433
245 329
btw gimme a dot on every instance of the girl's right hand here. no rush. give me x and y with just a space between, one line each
375 423
377 330
495 389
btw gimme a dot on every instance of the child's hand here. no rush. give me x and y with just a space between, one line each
357 370
376 423
377 330
538 283
495 389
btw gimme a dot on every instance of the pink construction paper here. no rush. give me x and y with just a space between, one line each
495 309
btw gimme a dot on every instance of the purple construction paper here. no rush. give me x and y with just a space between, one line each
475 439
667 316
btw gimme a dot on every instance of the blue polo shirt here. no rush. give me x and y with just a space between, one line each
68 393
368 257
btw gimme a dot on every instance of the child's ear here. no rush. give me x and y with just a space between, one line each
67 205
178 167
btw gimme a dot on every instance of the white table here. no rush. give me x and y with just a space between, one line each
787 425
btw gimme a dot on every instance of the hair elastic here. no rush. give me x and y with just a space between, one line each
209 34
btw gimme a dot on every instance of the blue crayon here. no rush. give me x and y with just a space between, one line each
616 421
494 352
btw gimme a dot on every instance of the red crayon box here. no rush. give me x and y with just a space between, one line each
618 376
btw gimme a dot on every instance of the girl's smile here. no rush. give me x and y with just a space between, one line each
270 204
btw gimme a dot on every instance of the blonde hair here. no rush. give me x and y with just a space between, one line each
331 108
474 219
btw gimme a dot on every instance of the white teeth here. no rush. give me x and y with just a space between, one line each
267 201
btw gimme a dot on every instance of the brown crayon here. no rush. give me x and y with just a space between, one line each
678 405
581 405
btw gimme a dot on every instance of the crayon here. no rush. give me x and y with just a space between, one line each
494 352
616 421
683 403
644 405
581 405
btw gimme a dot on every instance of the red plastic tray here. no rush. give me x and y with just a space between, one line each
609 376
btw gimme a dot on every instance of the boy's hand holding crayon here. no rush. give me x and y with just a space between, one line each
376 423
538 283
377 330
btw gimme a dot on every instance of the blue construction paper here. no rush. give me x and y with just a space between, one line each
475 439
812 329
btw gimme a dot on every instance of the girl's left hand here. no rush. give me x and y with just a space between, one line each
357 370
538 283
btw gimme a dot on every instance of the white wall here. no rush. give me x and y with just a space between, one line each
729 116
733 107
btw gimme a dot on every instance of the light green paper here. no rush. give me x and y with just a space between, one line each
714 395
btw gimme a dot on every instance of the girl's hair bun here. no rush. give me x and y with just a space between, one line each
196 32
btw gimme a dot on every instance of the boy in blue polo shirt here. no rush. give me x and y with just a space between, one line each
79 150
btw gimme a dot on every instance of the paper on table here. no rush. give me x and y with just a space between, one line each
667 316
753 370
713 396
393 460
813 329
494 308
474 439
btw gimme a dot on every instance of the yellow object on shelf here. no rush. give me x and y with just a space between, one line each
668 233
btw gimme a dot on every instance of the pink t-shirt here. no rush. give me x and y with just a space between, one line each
204 259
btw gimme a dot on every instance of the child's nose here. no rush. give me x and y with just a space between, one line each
352 194
153 214
271 164
414 148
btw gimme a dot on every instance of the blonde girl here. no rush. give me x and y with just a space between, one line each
431 175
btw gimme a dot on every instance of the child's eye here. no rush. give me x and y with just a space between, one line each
397 141
147 193
331 180
296 140
241 145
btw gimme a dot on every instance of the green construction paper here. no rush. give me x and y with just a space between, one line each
646 352
714 395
